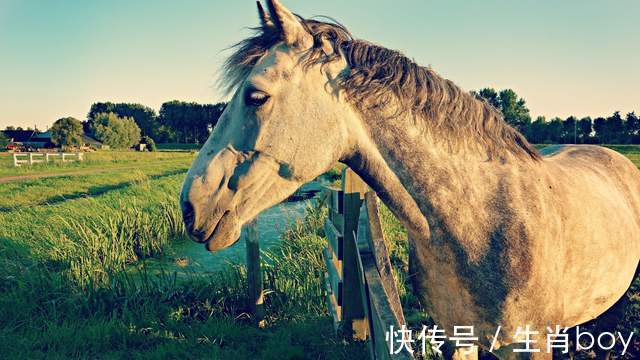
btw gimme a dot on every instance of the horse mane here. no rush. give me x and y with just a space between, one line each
377 76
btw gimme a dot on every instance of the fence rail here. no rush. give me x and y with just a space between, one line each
361 291
20 159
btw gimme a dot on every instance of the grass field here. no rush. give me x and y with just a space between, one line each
73 281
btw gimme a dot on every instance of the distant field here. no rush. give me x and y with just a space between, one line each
630 151
98 159
178 146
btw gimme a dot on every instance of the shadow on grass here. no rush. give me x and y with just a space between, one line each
92 192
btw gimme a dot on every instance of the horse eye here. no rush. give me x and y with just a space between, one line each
255 97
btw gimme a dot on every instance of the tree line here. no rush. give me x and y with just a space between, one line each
176 122
190 122
613 129
122 125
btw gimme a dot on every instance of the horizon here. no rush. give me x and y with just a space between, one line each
148 53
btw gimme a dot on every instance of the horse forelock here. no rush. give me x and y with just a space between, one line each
378 77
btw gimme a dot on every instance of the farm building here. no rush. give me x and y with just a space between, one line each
30 140
40 140
91 143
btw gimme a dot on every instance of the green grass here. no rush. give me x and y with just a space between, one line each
73 280
178 146
630 151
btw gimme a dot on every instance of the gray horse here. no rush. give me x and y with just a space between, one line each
499 235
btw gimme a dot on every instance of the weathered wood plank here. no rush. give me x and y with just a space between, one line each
337 263
381 314
352 183
378 247
353 308
336 201
332 304
325 197
365 298
254 273
335 278
337 219
334 238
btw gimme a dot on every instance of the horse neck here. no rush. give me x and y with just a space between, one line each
422 180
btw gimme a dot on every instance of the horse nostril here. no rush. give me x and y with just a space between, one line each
188 215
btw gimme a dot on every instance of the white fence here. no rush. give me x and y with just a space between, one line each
20 159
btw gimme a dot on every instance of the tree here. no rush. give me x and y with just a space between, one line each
570 130
67 132
537 131
488 94
117 132
187 122
513 108
151 145
585 128
610 130
600 127
144 116
554 131
633 128
615 127
4 140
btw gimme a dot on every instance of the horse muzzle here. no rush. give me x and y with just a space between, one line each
223 192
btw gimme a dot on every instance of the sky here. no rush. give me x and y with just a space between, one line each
570 57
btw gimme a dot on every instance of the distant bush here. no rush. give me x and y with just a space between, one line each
67 132
117 132
151 145
4 141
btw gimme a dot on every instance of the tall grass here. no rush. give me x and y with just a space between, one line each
293 271
107 244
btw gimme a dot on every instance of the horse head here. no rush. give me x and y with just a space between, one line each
284 126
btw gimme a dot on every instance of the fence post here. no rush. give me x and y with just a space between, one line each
15 160
254 274
354 314
30 158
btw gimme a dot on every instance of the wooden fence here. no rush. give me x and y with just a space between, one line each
20 159
361 292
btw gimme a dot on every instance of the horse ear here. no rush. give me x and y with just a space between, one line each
265 19
293 33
